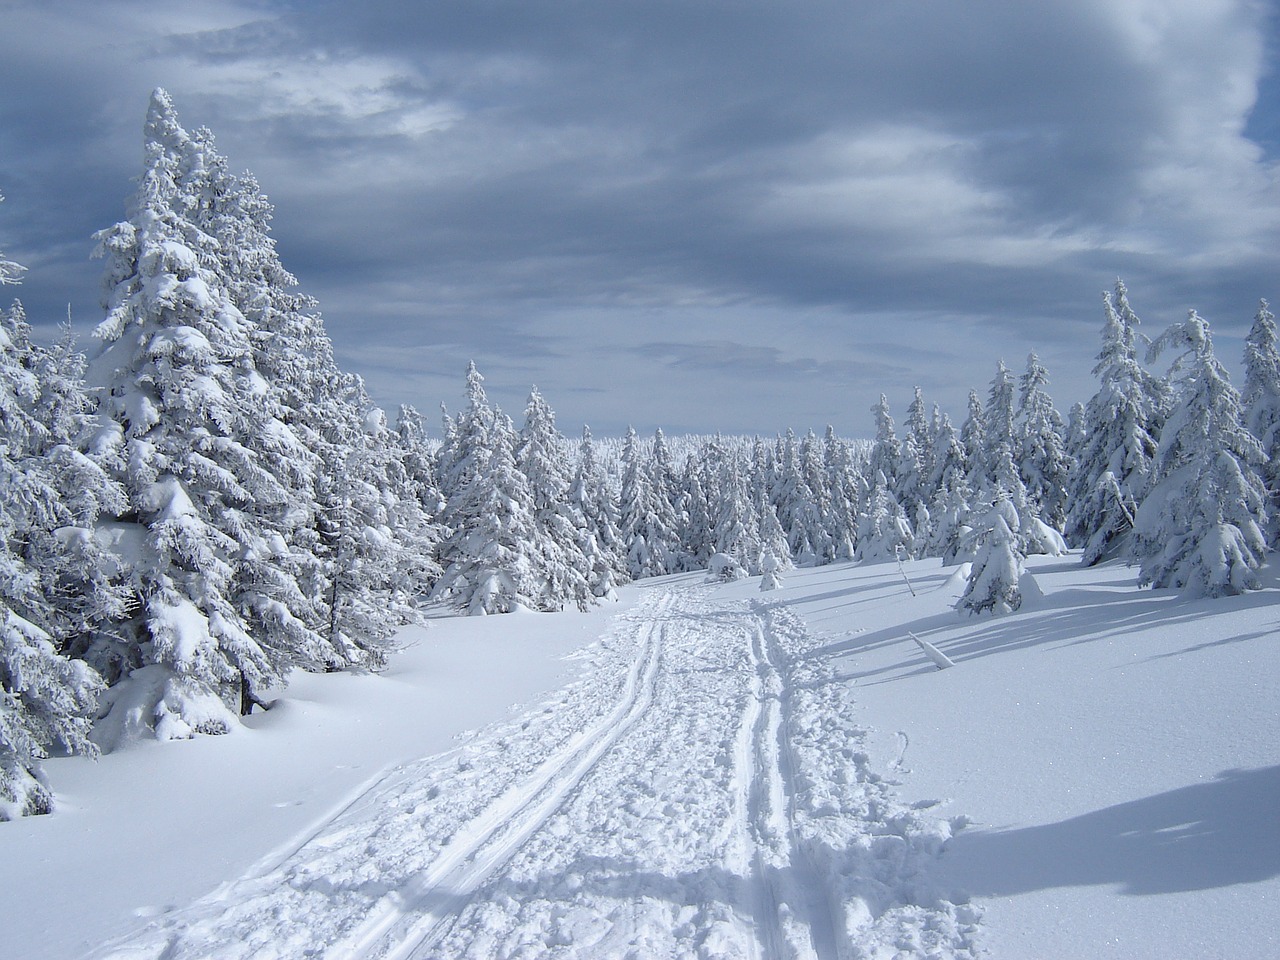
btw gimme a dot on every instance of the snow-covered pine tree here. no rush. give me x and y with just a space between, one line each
1262 402
770 571
1076 437
736 531
562 569
666 520
603 546
773 539
973 439
998 414
390 558
646 521
489 514
46 699
791 497
418 461
884 532
330 563
997 565
698 501
183 408
886 458
1042 456
844 486
83 582
762 474
1114 467
916 452
1200 525
820 529
952 498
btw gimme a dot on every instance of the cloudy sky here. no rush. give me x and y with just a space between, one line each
700 214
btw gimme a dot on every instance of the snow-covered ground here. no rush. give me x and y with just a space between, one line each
710 771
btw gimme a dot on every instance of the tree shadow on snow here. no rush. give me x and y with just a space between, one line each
1080 614
1219 833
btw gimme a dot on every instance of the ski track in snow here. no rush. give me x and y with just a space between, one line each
703 791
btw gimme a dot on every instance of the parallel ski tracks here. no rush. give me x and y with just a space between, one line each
411 920
736 873
791 918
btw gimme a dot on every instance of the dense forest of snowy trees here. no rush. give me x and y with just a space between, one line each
208 502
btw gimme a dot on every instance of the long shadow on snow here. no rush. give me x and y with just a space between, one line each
1218 833
1069 616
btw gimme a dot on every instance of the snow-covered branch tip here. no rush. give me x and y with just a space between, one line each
940 659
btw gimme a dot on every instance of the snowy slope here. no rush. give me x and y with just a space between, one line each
714 771
1118 751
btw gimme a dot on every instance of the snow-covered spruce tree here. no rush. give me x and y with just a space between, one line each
844 486
210 469
762 474
1200 526
697 501
1262 401
997 564
417 459
1076 437
1042 456
377 539
662 526
486 556
806 533
884 532
886 458
563 571
736 530
331 564
773 539
83 582
998 414
973 439
45 698
770 571
952 498
602 544
916 452
822 533
646 522
1114 467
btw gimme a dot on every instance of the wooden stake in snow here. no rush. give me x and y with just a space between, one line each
933 653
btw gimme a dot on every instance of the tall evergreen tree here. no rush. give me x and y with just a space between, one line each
1262 401
1122 422
603 538
1200 526
46 699
1042 455
646 530
993 585
183 408
973 439
844 491
562 567
490 515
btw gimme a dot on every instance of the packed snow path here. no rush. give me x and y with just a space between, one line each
701 792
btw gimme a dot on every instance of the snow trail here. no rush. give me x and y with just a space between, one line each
701 792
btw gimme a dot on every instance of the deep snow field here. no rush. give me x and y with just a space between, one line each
708 770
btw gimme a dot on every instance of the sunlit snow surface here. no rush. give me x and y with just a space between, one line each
710 771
